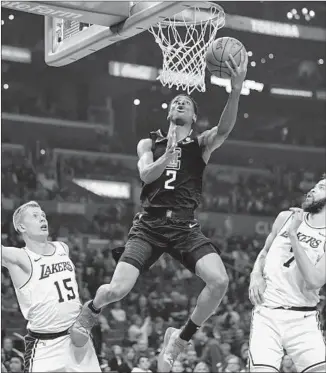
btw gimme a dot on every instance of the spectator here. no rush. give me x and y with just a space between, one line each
157 335
9 302
16 364
202 367
8 350
211 352
244 353
118 313
177 306
138 329
141 347
191 360
129 358
142 306
117 363
178 367
157 307
226 351
142 365
233 364
230 317
287 365
239 339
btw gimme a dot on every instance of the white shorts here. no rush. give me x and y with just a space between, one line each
59 355
275 331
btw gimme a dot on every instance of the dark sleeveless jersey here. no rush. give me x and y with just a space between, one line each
180 185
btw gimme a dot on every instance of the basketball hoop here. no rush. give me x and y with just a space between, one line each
184 40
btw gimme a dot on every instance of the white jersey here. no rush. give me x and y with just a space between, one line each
50 300
285 285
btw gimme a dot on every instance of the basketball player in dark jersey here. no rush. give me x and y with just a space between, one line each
171 168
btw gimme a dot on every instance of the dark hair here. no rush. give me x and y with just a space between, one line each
190 98
208 331
141 357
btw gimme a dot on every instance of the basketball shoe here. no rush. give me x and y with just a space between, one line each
81 329
173 345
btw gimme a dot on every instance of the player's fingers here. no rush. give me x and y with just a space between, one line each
260 295
245 58
254 296
230 69
251 297
235 66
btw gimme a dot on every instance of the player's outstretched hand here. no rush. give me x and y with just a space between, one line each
256 289
238 73
297 219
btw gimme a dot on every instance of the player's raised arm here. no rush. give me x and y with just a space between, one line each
12 256
257 282
150 170
18 264
214 138
314 274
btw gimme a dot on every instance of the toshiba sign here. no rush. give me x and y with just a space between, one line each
43 10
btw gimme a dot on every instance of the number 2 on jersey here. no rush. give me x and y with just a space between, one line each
172 177
70 291
288 263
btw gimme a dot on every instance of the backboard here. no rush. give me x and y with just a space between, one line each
75 29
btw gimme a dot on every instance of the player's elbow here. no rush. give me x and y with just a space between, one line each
145 177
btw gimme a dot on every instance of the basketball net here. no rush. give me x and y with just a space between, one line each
184 40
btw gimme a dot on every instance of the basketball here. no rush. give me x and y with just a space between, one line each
218 52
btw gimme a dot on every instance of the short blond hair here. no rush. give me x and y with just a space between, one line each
16 218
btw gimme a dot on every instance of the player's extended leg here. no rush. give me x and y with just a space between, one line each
304 342
210 268
265 343
136 256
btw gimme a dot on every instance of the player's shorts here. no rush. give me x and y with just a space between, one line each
55 353
151 236
298 333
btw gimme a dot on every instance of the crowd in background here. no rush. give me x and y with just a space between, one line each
130 333
253 194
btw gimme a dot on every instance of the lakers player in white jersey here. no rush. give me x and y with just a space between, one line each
284 287
44 279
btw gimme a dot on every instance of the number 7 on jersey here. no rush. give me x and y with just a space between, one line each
288 263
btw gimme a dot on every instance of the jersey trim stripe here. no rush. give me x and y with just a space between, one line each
306 221
252 364
64 248
322 363
55 249
283 225
31 274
